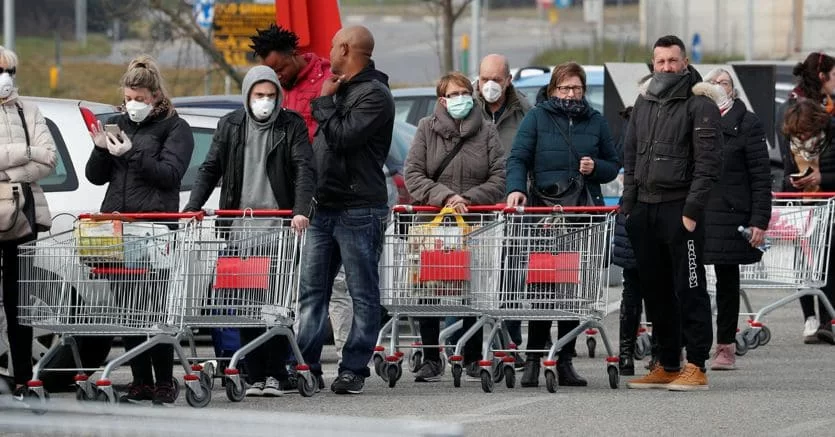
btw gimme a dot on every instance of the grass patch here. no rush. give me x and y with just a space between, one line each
611 52
44 48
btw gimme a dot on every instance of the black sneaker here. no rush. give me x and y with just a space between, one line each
291 384
19 393
473 371
429 371
137 393
165 393
825 335
347 383
530 377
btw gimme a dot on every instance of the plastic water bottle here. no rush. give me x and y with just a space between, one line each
746 232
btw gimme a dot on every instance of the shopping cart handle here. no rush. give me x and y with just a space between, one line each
559 209
401 209
250 212
143 216
802 195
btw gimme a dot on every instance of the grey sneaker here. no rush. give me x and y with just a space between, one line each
256 389
429 371
272 388
348 383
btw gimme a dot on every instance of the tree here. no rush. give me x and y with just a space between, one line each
449 13
179 15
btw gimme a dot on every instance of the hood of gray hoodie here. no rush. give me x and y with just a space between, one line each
253 76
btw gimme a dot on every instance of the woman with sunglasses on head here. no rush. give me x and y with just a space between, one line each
562 137
815 78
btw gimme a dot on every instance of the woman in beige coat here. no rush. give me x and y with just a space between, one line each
27 154
456 160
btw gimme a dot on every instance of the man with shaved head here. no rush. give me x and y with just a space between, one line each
498 99
355 114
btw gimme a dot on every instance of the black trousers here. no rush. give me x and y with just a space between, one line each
672 280
727 302
268 360
631 304
539 331
430 329
160 358
20 337
807 303
146 293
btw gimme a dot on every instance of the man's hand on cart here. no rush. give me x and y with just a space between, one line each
757 236
515 199
299 223
458 203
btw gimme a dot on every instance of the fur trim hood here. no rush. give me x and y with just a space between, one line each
714 92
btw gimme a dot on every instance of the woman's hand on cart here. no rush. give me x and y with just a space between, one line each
458 203
299 223
515 199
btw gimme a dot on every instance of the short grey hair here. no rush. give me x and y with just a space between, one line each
716 72
8 57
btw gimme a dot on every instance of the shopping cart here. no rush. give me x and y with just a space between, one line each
800 232
555 266
112 275
425 271
243 272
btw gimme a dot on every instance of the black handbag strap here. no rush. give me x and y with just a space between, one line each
447 159
571 149
25 129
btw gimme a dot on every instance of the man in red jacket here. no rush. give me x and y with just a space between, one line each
301 75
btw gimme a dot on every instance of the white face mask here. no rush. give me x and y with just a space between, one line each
6 85
138 111
492 91
262 108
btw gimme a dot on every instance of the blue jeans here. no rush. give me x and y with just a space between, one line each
353 237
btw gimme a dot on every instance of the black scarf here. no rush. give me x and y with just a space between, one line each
664 85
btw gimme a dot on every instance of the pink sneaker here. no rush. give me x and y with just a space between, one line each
724 358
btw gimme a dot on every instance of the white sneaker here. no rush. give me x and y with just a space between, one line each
256 389
810 330
272 389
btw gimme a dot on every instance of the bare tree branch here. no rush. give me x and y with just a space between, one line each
460 10
190 29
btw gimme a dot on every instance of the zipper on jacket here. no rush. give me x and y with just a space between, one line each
125 176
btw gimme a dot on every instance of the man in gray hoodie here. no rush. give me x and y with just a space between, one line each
263 156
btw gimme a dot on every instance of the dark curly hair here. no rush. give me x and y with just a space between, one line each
806 74
274 39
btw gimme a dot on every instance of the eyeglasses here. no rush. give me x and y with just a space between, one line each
458 94
721 82
11 71
567 89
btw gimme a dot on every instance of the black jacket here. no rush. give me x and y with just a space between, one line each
353 141
147 178
827 157
622 253
673 150
742 197
289 164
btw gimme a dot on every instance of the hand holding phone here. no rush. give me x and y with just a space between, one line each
114 130
796 176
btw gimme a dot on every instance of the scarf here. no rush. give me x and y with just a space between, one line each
571 107
663 85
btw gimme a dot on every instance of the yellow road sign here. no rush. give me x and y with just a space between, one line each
234 23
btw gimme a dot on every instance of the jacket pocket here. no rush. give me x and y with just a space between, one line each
642 161
669 167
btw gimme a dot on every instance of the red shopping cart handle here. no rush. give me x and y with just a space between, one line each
559 209
499 207
145 216
251 212
801 195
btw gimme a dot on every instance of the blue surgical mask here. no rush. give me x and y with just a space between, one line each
459 107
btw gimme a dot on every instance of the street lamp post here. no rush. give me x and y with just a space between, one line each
8 24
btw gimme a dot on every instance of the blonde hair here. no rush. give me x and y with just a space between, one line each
8 57
143 72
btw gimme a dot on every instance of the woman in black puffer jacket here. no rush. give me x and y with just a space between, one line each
742 197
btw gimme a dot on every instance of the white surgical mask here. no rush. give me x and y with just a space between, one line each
492 91
138 111
262 108
6 85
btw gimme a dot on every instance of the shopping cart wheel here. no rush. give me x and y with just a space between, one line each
751 338
486 382
393 373
201 397
457 370
509 376
103 397
765 336
592 345
415 360
741 345
306 387
209 373
378 366
550 381
81 395
234 392
614 377
498 374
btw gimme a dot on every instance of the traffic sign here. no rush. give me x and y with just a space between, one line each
234 24
204 13
562 4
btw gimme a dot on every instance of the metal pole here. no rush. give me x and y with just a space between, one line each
716 32
475 34
81 22
749 38
8 24
685 16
